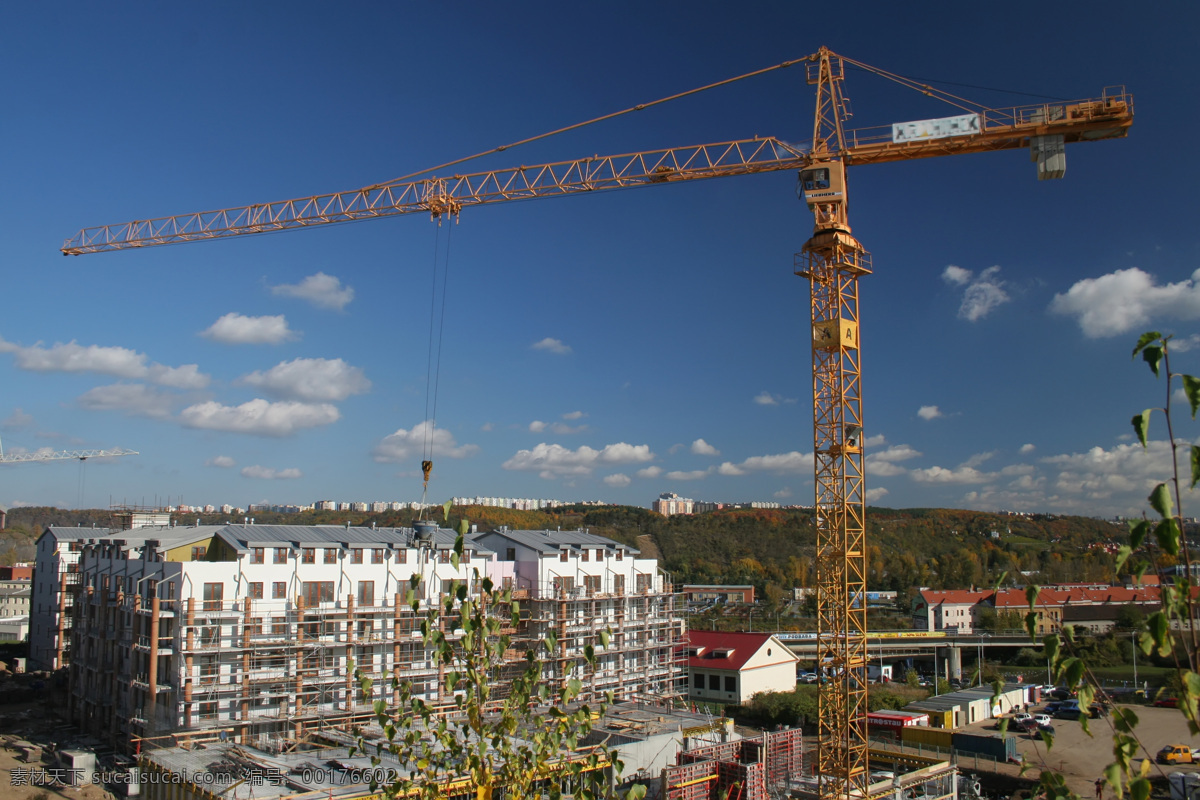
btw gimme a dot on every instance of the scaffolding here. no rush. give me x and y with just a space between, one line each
265 669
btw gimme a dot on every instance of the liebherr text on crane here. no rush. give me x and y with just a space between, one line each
832 259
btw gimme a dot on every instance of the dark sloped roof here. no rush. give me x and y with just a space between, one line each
244 537
553 541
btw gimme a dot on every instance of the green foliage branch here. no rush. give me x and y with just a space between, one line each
524 744
1169 632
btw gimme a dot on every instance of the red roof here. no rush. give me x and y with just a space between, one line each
725 650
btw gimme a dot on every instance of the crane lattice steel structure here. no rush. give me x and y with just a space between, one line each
832 259
63 455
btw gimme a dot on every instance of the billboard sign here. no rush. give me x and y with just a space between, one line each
943 128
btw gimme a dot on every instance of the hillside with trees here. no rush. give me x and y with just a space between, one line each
773 549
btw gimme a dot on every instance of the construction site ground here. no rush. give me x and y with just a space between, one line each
1080 758
37 723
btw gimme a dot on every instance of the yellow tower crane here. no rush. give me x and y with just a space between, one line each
832 259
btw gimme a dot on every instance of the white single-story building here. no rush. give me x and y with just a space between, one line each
731 668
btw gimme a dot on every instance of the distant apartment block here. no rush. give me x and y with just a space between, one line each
669 503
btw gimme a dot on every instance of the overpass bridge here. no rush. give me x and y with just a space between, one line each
942 648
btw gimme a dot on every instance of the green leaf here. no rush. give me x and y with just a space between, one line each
604 638
1153 357
1160 500
1139 789
1168 536
1141 425
446 506
1195 458
1191 388
1137 533
1123 554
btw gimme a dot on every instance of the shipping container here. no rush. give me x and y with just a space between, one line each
938 717
933 737
1002 748
893 720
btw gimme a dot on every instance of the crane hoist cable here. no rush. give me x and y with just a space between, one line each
433 364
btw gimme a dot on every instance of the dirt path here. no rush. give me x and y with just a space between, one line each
645 543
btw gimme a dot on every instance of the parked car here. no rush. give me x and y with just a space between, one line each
1176 754
1042 720
1022 718
1053 707
1166 702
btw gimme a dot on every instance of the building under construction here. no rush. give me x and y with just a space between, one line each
255 631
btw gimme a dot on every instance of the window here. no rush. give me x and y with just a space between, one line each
697 680
279 628
255 627
279 590
592 584
281 555
618 584
563 556
308 555
510 554
599 555
401 556
366 593
198 553
444 556
377 556
317 592
330 555
214 593
643 583
730 683
620 555
466 556
584 555
257 555
714 683
255 592
356 556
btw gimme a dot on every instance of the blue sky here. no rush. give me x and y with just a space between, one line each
612 346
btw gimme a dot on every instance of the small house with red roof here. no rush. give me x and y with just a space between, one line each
729 668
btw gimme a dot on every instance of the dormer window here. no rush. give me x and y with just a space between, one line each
562 556
584 557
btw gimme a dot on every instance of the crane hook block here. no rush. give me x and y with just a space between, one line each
427 467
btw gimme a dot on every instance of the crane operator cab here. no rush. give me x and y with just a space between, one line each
822 184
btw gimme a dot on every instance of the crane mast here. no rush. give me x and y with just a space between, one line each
832 260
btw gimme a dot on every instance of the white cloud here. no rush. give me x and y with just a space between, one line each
1026 449
318 380
618 480
119 362
323 291
703 448
485 427
875 494
779 463
574 415
693 475
17 419
259 417
224 462
270 474
929 412
563 429
783 493
553 460
234 328
956 276
537 426
983 293
1183 345
649 472
552 346
883 463
135 399
765 398
1127 299
960 474
410 444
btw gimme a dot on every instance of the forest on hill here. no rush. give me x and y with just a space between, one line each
773 549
